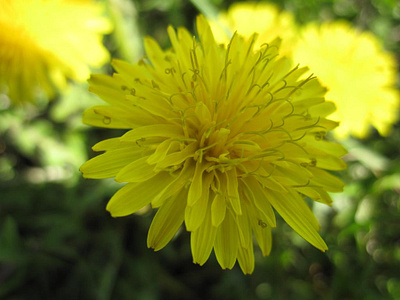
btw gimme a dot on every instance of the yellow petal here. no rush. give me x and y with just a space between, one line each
263 237
256 194
232 190
246 258
158 130
175 186
327 180
298 215
153 103
155 54
330 163
108 89
136 171
196 187
218 210
129 71
107 144
194 215
272 184
167 221
110 117
295 172
316 194
323 109
262 232
179 48
178 157
243 225
227 242
204 31
110 163
162 150
202 240
134 196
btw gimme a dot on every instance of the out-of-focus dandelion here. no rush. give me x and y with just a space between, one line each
359 74
45 43
249 17
219 136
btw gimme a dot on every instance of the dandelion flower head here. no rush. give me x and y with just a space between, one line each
43 43
264 18
218 138
359 74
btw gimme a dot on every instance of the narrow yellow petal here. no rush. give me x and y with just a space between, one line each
293 171
129 71
272 184
107 144
108 164
330 162
257 195
323 109
232 191
329 147
246 258
162 150
179 48
262 232
316 194
158 130
204 29
297 214
227 242
108 88
181 179
243 224
134 196
155 54
95 116
178 157
194 215
136 171
167 221
202 240
218 210
263 237
196 187
327 181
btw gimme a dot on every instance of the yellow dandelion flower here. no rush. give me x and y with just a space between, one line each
219 136
264 18
359 74
43 43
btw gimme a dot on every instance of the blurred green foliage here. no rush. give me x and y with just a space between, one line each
58 242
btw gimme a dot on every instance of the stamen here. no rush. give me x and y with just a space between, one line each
200 152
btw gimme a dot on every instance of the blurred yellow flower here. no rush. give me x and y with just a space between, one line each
359 74
218 137
43 43
249 17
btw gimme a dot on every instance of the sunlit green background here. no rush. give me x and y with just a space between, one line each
57 241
